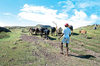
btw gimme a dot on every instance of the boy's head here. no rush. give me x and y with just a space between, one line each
66 25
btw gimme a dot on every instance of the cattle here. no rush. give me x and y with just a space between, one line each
95 28
46 32
34 30
37 31
83 31
53 30
31 30
71 28
42 31
59 31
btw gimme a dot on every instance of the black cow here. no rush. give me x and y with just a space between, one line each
71 28
46 32
42 31
53 30
95 28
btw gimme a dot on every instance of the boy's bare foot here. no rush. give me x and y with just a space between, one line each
66 55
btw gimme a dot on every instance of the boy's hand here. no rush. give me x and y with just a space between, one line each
59 38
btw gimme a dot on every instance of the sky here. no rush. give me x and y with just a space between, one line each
32 12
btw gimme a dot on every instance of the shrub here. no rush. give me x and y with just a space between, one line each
4 35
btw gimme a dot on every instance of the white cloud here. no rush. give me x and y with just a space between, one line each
79 15
62 16
43 15
81 19
2 24
94 17
38 9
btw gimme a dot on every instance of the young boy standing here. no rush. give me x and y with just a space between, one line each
66 38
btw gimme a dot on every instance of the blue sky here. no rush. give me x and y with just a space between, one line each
31 12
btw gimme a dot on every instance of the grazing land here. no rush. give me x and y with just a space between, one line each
18 48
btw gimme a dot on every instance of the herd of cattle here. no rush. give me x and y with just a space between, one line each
53 31
46 31
43 31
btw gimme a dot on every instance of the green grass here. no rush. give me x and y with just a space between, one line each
19 53
77 51
93 43
4 35
15 52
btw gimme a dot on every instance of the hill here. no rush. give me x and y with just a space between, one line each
40 25
21 49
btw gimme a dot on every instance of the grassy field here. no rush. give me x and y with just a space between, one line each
84 49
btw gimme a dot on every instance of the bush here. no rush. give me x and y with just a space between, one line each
4 35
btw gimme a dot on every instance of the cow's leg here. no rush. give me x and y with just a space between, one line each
56 33
35 33
31 33
47 37
51 33
72 32
41 34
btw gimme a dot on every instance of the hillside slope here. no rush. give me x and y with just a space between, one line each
21 49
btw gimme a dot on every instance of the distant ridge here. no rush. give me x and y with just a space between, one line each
45 26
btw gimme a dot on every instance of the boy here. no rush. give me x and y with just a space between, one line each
66 38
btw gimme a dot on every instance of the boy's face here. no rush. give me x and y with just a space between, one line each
66 26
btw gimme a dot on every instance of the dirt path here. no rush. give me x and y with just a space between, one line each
52 55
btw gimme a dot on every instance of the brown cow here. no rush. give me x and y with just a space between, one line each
83 31
59 31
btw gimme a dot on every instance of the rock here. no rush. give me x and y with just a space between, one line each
14 48
11 60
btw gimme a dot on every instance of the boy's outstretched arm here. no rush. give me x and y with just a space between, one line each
61 35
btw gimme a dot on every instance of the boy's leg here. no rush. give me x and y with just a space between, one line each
61 48
66 49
